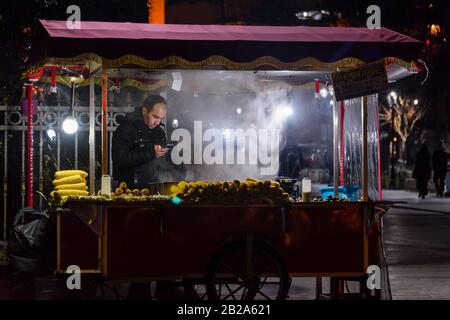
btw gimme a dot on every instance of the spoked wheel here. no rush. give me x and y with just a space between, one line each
238 272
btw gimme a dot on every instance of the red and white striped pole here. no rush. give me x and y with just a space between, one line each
30 145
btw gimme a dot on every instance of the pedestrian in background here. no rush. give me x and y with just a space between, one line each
439 162
422 170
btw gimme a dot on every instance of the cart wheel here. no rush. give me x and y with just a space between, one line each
234 275
195 289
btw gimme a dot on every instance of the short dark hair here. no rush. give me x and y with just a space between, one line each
153 99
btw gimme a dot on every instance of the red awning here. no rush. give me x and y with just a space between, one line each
238 44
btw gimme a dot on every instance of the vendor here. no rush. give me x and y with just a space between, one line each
139 142
138 155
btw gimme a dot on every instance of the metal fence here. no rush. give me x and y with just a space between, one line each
53 150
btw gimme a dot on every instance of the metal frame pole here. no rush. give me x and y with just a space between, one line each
365 151
41 178
76 151
341 144
58 140
5 181
110 153
336 149
22 178
104 123
91 133
30 146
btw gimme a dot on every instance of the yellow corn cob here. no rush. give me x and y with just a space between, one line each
66 173
71 192
73 186
68 180
174 189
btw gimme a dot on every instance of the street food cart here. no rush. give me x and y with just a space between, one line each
237 247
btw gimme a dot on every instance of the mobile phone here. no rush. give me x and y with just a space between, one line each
170 145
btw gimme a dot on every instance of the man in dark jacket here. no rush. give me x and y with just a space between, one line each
439 162
138 144
422 170
138 155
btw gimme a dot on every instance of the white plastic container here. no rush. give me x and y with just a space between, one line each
106 186
306 189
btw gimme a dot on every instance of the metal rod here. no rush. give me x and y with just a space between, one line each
30 146
104 123
58 142
58 150
365 151
341 145
110 154
5 182
92 135
336 149
22 185
41 178
76 150
72 98
380 186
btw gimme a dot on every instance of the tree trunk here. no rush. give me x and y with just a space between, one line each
402 153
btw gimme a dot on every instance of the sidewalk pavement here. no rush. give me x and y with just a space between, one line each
417 246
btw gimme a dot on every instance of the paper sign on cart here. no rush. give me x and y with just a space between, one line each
362 81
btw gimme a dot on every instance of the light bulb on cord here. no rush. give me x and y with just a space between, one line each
70 125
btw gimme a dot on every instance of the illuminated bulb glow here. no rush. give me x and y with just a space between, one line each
70 125
286 111
323 92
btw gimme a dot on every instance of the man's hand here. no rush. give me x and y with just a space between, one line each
160 151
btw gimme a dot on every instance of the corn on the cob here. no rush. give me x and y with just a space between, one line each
69 192
66 173
68 180
73 186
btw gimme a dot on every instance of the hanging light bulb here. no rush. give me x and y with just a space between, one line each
323 92
70 125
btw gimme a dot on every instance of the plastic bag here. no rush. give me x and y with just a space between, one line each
31 248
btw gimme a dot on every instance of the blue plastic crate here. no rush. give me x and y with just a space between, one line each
348 192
